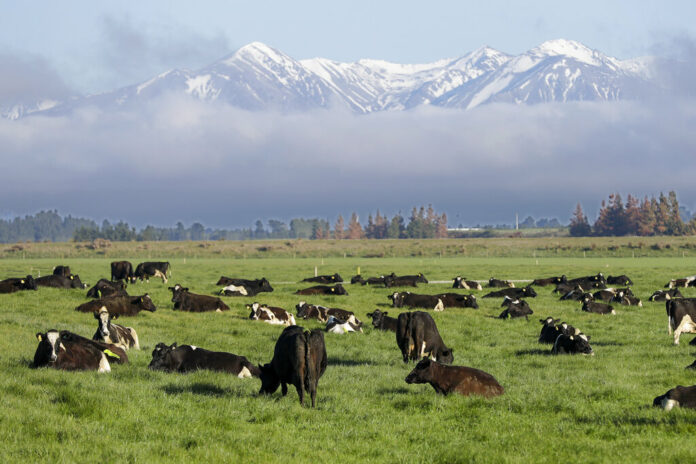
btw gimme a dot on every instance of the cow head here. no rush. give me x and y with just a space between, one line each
177 291
145 303
338 290
445 356
471 301
75 282
254 307
269 379
377 317
421 278
302 308
265 285
422 373
48 349
529 291
104 319
161 357
397 299
581 344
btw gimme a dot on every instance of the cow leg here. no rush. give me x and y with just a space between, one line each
686 325
284 388
300 391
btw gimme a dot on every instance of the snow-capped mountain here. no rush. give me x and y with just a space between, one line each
258 77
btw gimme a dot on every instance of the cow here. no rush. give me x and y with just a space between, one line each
578 294
404 281
323 290
68 351
104 288
107 332
595 307
270 314
122 270
607 295
661 295
16 284
497 283
299 358
322 313
619 280
148 269
62 271
685 282
417 336
515 308
381 321
357 279
572 344
187 358
337 326
684 397
58 281
414 300
325 279
236 290
252 286
119 305
550 281
454 379
549 330
514 293
456 300
594 281
381 280
461 282
630 300
186 301
681 314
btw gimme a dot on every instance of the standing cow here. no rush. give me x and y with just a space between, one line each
417 336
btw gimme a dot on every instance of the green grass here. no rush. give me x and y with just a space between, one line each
567 408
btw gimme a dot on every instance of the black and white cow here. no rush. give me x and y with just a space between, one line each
417 336
550 281
679 397
325 279
251 286
456 300
595 307
498 283
549 330
322 313
413 300
681 314
270 314
323 290
619 280
685 282
337 326
404 281
147 269
573 344
661 295
188 358
515 308
461 282
514 293
68 351
116 334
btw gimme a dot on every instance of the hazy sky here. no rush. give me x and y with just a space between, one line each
178 159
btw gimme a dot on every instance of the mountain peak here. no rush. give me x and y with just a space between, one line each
257 51
569 48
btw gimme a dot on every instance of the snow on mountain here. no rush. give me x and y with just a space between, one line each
258 77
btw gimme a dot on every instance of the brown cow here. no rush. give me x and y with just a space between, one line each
454 379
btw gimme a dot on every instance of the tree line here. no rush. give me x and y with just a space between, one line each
651 216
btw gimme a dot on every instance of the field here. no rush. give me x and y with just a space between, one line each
555 408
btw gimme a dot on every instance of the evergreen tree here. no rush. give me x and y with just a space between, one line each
339 233
396 227
579 226
355 230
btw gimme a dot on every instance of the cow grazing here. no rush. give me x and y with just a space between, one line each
119 305
619 280
550 281
323 290
414 300
148 269
549 330
337 326
62 271
404 281
685 282
515 308
417 336
16 284
186 301
498 283
107 332
122 270
187 358
58 281
681 314
325 279
104 288
68 351
661 295
595 307
514 293
461 282
456 300
322 313
454 379
381 321
680 397
299 358
252 286
270 314
572 344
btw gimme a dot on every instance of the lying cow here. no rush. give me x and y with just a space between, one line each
456 300
104 288
62 271
550 281
376 280
16 284
514 293
630 300
357 279
122 270
661 295
578 294
381 321
270 314
417 336
572 344
681 314
236 290
59 281
323 290
685 282
684 397
587 282
619 280
549 330
149 269
322 313
454 379
187 358
515 309
252 286
119 305
334 325
325 279
107 332
299 358
414 300
498 283
192 302
68 351
461 282
596 307
404 281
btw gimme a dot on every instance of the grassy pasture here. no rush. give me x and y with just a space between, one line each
573 408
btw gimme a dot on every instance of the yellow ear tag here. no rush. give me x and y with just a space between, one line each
21 281
111 354
333 289
71 277
38 336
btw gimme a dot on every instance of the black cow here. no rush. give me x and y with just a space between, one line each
572 344
58 281
588 282
325 279
252 286
661 295
104 288
357 279
148 269
630 300
299 358
404 281
187 358
414 300
124 337
456 300
514 293
684 397
595 307
461 282
498 283
122 270
323 290
515 308
16 284
69 351
454 379
549 330
417 336
62 271
119 305
186 301
550 281
619 280
681 314
381 321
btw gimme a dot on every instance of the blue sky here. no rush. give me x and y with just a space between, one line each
96 46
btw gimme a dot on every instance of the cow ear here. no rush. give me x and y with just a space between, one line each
113 316
39 336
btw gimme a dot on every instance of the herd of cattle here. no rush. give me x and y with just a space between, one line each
299 356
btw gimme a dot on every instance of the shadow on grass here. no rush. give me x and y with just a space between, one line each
206 389
393 391
534 352
350 362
